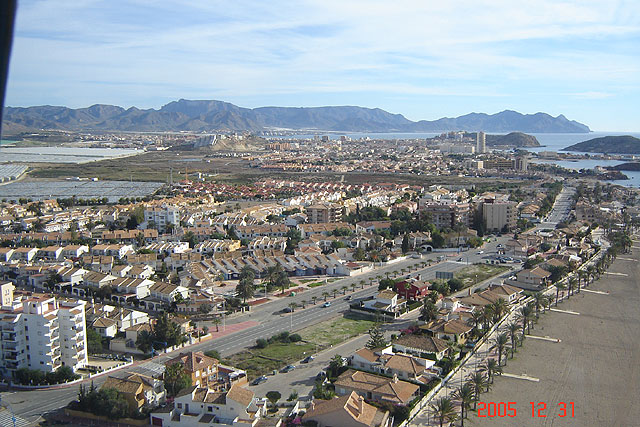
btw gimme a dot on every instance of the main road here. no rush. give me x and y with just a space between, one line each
30 405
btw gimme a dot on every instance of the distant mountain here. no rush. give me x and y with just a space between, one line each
189 115
622 144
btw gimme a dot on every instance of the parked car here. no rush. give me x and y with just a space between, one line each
287 310
321 375
259 380
349 298
288 368
326 304
308 359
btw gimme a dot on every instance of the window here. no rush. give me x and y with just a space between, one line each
210 408
179 405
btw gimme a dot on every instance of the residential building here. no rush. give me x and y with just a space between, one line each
376 387
446 215
202 369
198 406
422 345
347 411
40 332
533 279
499 216
162 216
448 330
139 390
325 212
481 142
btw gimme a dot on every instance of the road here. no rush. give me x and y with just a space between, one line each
561 209
30 405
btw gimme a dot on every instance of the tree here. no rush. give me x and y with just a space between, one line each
94 341
444 411
405 243
144 341
455 284
428 311
491 367
293 306
216 321
273 397
335 364
246 286
325 294
465 395
205 308
376 339
478 381
559 287
513 330
167 331
344 289
525 316
176 379
314 299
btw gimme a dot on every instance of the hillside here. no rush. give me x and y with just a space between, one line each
622 144
204 115
513 139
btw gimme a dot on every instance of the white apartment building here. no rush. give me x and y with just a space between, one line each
162 216
38 332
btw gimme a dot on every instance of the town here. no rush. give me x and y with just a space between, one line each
289 301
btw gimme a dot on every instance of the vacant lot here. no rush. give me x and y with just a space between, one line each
479 272
260 361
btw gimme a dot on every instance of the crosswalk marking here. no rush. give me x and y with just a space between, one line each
564 311
591 291
545 338
6 419
520 377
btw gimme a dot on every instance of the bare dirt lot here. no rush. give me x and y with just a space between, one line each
596 365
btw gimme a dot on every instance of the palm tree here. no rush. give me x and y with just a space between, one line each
491 368
335 291
325 294
362 283
344 289
513 329
538 298
465 395
293 306
444 410
479 382
304 303
502 342
353 287
216 321
559 287
487 317
500 307
525 317
476 317
429 311
571 283
314 299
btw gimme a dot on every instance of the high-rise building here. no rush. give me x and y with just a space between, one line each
499 215
481 142
326 212
39 332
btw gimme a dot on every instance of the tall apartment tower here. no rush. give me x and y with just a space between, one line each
39 332
481 142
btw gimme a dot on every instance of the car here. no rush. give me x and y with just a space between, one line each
287 310
288 368
308 359
259 380
500 245
460 259
326 304
480 252
321 375
349 298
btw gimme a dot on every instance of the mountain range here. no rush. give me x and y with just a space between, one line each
190 115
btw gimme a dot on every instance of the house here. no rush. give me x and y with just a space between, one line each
424 346
347 411
6 254
52 253
376 387
168 292
412 289
101 263
404 366
98 280
533 279
153 388
454 330
202 369
197 406
132 391
24 254
74 251
386 301
105 327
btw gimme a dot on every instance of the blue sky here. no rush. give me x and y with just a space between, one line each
423 59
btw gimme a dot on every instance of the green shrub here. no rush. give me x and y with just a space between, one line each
261 343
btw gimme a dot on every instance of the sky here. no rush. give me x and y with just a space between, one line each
423 59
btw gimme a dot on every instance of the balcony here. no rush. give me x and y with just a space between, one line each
9 337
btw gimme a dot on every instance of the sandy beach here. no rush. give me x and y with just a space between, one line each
596 365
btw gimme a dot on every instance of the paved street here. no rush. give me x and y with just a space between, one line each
32 404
